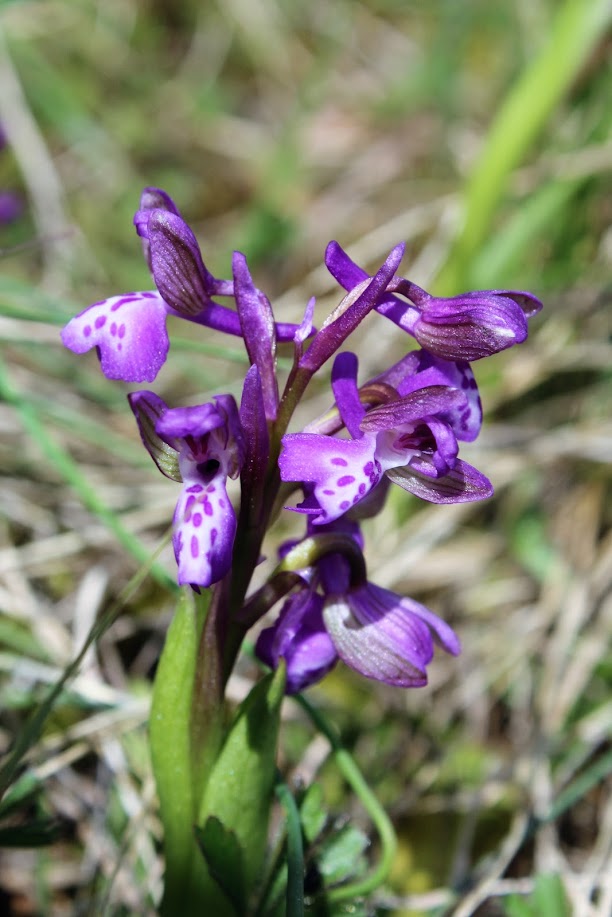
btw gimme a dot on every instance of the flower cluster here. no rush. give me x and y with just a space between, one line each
404 426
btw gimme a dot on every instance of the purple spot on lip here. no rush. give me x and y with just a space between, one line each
100 321
213 535
345 504
368 468
362 489
194 489
346 479
189 508
339 461
197 520
122 331
208 508
87 330
114 329
329 493
195 546
118 304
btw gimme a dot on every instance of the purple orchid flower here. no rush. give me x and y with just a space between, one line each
201 446
129 331
300 638
465 327
413 439
372 630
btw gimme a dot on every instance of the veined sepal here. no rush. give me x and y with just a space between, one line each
235 808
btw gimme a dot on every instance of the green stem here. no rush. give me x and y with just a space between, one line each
207 708
353 776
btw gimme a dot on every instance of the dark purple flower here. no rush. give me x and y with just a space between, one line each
464 327
411 438
201 446
374 631
133 346
11 206
300 638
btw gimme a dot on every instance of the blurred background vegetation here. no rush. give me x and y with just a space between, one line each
479 132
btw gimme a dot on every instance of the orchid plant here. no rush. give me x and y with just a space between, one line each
215 769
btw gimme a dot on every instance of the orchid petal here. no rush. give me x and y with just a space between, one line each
257 323
346 393
148 408
529 303
257 443
299 636
342 471
151 199
191 421
376 634
435 399
463 484
331 336
129 332
179 272
342 267
349 275
204 530
470 326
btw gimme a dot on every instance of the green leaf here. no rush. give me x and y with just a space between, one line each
224 857
294 898
240 786
169 732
